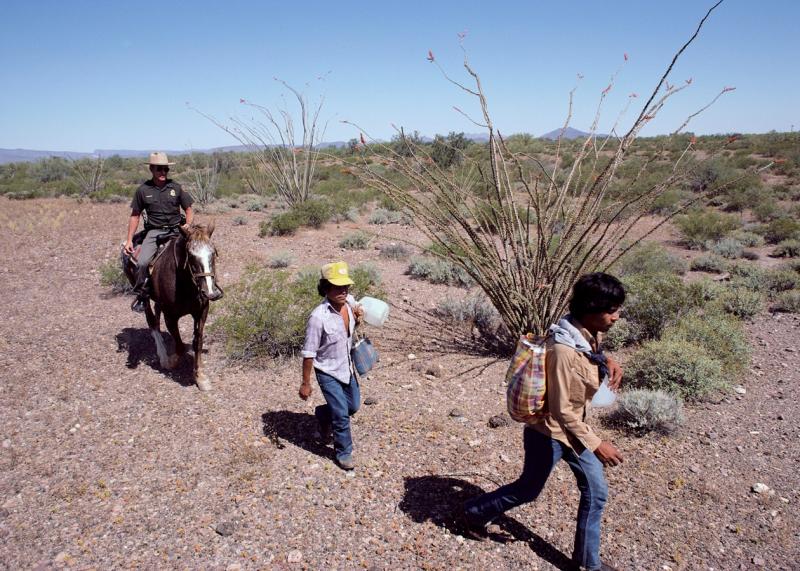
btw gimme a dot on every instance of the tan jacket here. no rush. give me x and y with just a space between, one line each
572 380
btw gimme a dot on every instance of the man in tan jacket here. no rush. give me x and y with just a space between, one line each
574 367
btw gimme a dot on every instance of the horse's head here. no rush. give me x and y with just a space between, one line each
201 256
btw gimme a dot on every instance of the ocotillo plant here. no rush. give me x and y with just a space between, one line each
525 228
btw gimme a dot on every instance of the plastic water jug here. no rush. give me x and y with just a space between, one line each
375 310
604 396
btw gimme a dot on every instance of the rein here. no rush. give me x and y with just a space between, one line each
195 276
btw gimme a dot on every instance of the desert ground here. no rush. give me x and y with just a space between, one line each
109 462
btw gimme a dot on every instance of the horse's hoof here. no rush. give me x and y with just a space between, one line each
203 383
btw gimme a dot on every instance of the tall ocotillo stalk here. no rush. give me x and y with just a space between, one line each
523 230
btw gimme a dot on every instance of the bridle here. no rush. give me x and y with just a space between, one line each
197 276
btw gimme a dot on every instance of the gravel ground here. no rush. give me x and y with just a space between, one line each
107 461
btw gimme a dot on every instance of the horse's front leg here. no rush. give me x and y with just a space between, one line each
180 349
203 383
153 315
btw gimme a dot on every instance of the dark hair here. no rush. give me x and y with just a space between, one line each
323 286
596 293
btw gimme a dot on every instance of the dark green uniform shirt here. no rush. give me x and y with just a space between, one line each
162 205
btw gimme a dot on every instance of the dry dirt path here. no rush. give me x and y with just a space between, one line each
109 462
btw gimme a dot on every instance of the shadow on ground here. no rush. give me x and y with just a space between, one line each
439 499
142 349
299 428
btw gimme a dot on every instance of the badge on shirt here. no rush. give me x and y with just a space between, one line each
172 192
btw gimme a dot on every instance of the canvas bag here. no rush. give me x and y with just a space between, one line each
526 380
364 355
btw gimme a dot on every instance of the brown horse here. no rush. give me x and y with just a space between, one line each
183 281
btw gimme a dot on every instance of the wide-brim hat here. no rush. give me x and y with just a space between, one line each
159 159
337 274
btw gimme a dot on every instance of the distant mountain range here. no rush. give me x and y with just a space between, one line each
27 155
569 133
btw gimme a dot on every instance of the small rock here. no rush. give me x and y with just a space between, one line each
61 557
474 443
369 401
234 567
434 369
294 556
758 561
740 390
411 356
4 513
498 421
759 488
694 469
505 458
780 417
350 475
225 528
455 413
739 448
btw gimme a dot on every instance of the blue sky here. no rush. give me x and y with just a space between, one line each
83 75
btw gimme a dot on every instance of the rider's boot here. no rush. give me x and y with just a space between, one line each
142 292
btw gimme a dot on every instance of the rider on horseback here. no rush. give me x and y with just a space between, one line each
161 200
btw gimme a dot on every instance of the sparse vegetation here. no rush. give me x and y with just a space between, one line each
642 411
437 271
395 251
355 241
111 275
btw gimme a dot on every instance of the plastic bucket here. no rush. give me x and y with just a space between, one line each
375 310
604 396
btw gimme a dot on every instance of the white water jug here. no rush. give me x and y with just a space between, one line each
375 310
604 396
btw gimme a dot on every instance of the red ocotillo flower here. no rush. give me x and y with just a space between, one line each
242 100
363 140
728 88
732 138
607 89
693 140
430 56
625 55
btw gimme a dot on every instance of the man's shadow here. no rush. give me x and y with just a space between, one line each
440 499
141 348
299 428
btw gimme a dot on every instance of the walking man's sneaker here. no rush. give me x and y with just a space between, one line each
138 305
346 462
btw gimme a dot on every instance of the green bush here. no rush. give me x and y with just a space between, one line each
653 302
438 271
779 280
642 411
787 249
382 216
284 224
719 334
703 291
111 275
474 310
355 241
742 302
239 221
748 239
677 367
314 213
787 302
395 251
255 205
710 263
729 248
650 258
618 336
750 255
280 260
782 229
701 226
368 280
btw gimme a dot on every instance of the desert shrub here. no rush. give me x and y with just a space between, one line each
778 280
314 213
792 265
650 258
475 309
239 220
750 255
438 271
787 302
255 205
284 224
729 248
395 251
652 302
264 315
677 367
719 334
280 260
786 249
701 226
703 291
710 263
618 336
355 241
748 239
782 229
766 210
111 275
368 280
741 301
641 411
382 216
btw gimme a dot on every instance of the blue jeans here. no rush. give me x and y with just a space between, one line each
343 402
541 455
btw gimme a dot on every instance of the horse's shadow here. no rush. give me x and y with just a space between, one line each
440 499
139 344
299 428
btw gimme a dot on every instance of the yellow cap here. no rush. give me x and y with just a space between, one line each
336 273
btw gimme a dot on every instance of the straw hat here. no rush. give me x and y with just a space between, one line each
337 274
159 159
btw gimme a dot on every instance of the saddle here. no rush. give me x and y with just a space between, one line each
161 242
